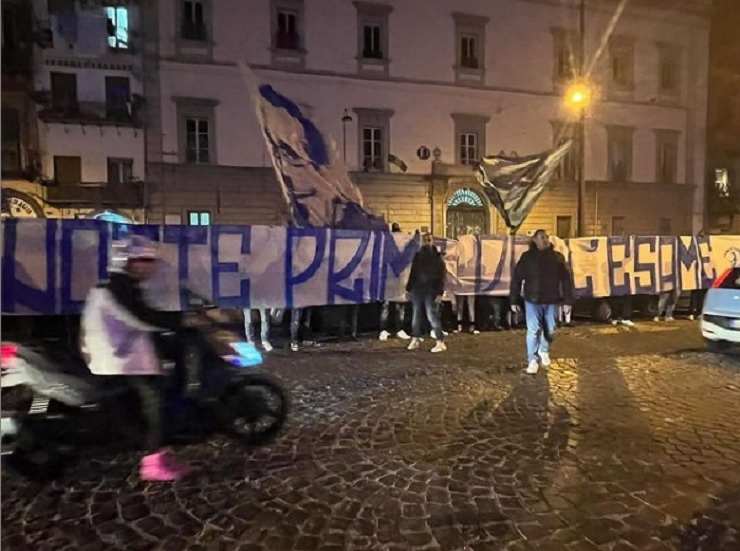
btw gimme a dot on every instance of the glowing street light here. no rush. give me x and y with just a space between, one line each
578 95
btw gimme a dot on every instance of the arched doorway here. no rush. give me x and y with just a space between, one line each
111 216
466 213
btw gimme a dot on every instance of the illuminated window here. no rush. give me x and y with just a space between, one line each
722 182
199 218
117 27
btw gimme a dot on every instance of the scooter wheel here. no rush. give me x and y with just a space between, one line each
256 409
34 459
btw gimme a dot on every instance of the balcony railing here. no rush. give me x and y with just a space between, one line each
98 194
90 112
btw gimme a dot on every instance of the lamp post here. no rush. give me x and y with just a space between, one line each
346 118
578 97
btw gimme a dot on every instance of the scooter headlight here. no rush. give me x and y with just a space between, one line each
246 355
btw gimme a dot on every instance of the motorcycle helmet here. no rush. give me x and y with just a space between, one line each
132 247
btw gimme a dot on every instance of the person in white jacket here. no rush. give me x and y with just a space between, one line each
117 327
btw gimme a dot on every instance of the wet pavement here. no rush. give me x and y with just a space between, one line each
630 441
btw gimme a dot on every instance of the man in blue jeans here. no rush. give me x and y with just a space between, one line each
425 287
547 284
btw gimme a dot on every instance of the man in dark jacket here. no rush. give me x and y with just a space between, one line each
425 287
547 283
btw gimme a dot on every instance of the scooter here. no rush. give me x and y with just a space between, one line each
52 406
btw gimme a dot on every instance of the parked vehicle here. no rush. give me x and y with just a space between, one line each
720 320
52 406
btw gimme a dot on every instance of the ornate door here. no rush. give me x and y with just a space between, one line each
466 213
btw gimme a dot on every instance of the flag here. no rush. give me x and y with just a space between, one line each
315 183
514 184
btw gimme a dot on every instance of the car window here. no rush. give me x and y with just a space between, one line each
732 281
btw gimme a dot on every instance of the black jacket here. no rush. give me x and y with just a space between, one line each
127 292
546 278
427 272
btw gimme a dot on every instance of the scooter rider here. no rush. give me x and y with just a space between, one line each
117 326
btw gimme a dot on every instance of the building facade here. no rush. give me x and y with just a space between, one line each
394 81
413 93
73 124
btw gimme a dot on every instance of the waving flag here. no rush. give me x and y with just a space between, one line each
514 184
316 185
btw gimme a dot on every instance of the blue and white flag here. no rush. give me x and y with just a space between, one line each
315 183
514 184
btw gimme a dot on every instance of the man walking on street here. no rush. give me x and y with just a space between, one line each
425 287
547 283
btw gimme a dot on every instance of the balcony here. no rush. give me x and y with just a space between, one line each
92 112
98 194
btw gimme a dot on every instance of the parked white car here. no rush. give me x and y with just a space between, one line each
720 320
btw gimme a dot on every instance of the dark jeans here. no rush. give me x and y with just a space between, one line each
622 308
667 302
424 304
349 316
250 321
399 316
296 316
149 390
697 302
498 304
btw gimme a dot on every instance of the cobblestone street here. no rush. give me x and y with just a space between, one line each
630 441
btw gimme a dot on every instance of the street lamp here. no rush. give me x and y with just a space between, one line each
578 98
346 118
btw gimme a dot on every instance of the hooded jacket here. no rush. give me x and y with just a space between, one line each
427 272
116 329
545 275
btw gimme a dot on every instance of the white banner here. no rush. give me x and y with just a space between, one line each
49 265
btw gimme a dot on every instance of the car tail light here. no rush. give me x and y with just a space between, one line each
721 279
8 352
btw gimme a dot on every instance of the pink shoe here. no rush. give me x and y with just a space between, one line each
161 467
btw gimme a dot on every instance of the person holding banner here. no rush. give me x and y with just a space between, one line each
300 318
460 302
396 310
547 283
622 311
425 287
250 320
697 304
667 301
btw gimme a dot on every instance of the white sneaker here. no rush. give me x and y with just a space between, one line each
384 335
533 367
615 322
294 347
628 323
545 359
414 344
656 319
439 347
670 318
403 335
474 331
691 317
267 346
